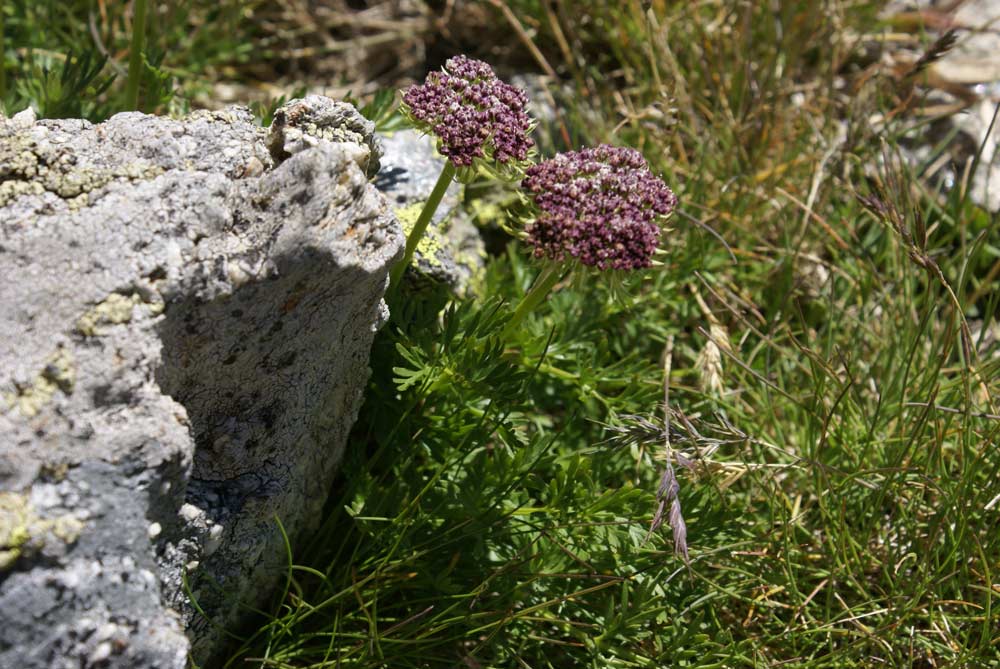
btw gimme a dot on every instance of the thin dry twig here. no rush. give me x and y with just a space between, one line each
525 38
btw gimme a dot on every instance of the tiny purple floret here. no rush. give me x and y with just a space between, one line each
598 205
469 109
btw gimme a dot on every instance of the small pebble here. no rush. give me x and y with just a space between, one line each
101 653
25 119
189 512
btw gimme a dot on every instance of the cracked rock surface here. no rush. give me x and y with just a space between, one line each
186 314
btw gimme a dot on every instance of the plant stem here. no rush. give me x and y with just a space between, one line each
3 60
135 55
447 174
542 286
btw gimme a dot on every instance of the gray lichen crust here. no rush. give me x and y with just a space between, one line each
185 323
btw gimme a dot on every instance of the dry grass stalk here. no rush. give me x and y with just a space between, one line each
891 204
667 491
935 52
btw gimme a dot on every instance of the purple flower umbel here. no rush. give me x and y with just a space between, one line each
474 114
599 206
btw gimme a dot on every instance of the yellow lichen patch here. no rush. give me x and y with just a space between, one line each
72 182
31 169
22 532
430 244
227 116
59 373
473 261
17 157
487 212
116 308
11 190
14 519
78 202
333 134
408 216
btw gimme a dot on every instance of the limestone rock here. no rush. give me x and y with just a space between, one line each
185 324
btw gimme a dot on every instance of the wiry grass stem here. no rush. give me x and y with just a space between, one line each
3 59
135 55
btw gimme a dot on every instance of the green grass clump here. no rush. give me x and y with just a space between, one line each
82 59
832 385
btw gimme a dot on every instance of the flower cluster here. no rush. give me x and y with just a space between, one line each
598 205
473 113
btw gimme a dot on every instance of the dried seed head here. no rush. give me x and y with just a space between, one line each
666 494
709 362
599 206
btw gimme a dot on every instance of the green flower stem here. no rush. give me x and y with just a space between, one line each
447 175
135 55
543 285
3 61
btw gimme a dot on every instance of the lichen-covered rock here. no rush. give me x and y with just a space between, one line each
451 251
302 123
185 324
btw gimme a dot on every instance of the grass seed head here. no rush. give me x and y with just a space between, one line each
709 362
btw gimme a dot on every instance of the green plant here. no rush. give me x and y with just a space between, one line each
831 328
830 418
3 55
595 208
481 125
45 45
60 88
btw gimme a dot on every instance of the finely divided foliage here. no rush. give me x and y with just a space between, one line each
599 206
474 114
